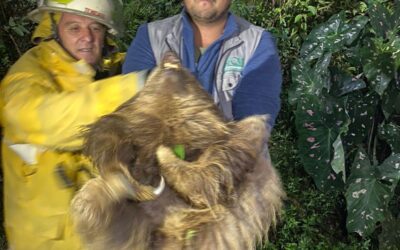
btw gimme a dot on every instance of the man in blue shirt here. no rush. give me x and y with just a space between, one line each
234 60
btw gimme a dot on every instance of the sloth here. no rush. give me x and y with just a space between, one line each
175 174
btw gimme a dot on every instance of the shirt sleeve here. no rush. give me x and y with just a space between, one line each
140 54
34 114
259 89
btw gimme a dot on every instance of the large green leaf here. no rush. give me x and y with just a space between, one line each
391 134
379 70
389 170
337 110
308 80
361 107
395 48
344 83
331 36
317 132
390 100
367 195
352 57
338 161
382 21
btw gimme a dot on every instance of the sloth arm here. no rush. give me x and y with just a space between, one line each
215 177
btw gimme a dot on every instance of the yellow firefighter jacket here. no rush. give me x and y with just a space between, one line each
46 99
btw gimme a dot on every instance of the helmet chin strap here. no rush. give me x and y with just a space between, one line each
55 34
54 28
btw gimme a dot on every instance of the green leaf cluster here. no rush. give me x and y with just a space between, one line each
142 11
346 94
14 31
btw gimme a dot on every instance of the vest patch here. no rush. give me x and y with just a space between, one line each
234 63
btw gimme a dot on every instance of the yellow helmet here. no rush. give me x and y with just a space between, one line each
107 12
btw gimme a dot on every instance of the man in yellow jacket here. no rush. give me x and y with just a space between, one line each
48 96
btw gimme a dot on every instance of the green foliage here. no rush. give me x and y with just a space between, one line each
14 31
291 20
311 219
346 94
142 11
369 191
390 237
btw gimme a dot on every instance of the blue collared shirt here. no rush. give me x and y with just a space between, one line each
258 91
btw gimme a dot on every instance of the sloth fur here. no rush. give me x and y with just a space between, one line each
224 194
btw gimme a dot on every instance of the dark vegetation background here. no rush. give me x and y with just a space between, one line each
312 219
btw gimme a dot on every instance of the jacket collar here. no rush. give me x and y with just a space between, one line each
53 56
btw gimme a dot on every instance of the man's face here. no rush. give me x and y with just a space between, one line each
82 37
207 11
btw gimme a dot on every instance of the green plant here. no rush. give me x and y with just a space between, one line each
311 219
291 20
142 11
346 92
14 30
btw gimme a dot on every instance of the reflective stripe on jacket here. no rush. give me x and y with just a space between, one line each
46 100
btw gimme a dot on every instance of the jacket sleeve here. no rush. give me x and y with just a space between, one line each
35 114
259 89
140 54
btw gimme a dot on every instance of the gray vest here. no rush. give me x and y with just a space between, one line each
235 52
